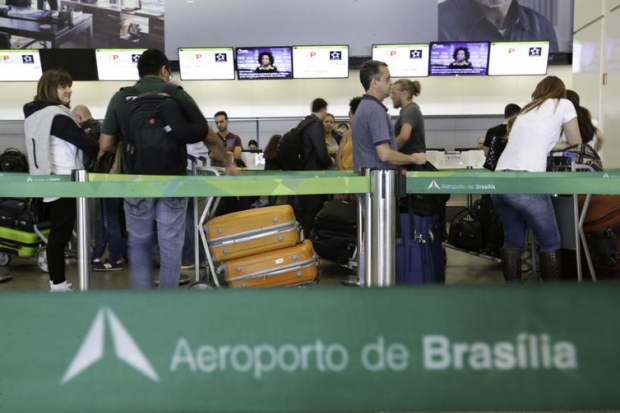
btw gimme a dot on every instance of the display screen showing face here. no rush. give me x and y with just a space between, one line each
404 60
321 62
459 58
207 63
118 64
264 63
20 65
518 58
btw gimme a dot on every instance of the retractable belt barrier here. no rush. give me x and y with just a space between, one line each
305 183
524 347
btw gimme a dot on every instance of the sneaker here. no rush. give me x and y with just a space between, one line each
187 266
107 266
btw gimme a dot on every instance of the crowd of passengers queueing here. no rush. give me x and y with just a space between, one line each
75 139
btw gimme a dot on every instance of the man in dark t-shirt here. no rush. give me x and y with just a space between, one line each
409 126
510 110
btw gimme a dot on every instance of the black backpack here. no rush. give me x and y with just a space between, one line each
12 160
149 147
288 152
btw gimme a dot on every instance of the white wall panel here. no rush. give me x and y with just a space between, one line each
588 66
587 11
610 107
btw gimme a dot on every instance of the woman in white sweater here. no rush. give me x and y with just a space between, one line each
536 130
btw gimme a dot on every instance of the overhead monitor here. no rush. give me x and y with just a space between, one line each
20 65
404 60
459 58
206 63
518 58
118 64
255 63
79 63
321 62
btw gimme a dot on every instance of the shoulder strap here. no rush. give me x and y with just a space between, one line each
130 92
171 89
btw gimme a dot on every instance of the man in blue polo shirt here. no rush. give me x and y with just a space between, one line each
493 20
374 142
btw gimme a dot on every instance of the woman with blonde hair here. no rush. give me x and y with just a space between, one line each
536 130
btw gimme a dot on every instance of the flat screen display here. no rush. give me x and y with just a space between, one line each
459 58
79 63
264 63
20 65
518 58
403 60
118 64
321 62
206 63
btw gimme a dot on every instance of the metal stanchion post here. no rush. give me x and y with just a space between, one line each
368 236
83 232
383 223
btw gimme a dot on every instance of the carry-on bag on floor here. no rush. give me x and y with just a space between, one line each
250 232
23 213
335 231
602 229
420 256
466 231
21 243
280 268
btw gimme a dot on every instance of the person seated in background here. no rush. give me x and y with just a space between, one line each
266 63
480 143
330 138
253 145
510 110
461 59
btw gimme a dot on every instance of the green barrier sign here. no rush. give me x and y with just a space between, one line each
538 347
304 183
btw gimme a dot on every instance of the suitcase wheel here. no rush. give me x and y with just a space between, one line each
41 257
5 259
201 285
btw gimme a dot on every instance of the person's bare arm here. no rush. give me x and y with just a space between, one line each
237 152
343 142
218 152
571 131
388 155
486 151
404 135
107 143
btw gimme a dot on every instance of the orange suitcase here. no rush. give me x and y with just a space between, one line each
252 231
280 268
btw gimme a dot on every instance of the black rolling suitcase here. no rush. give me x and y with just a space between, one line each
335 231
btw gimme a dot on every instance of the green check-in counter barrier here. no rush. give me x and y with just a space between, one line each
527 347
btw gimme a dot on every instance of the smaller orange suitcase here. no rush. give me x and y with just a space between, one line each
249 232
280 268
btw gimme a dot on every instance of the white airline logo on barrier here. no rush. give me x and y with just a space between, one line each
92 348
433 184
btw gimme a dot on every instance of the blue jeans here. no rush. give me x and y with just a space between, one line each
535 210
189 243
109 230
141 215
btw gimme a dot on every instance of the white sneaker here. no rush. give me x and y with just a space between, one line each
63 287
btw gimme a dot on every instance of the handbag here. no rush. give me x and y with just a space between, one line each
582 155
466 232
496 148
